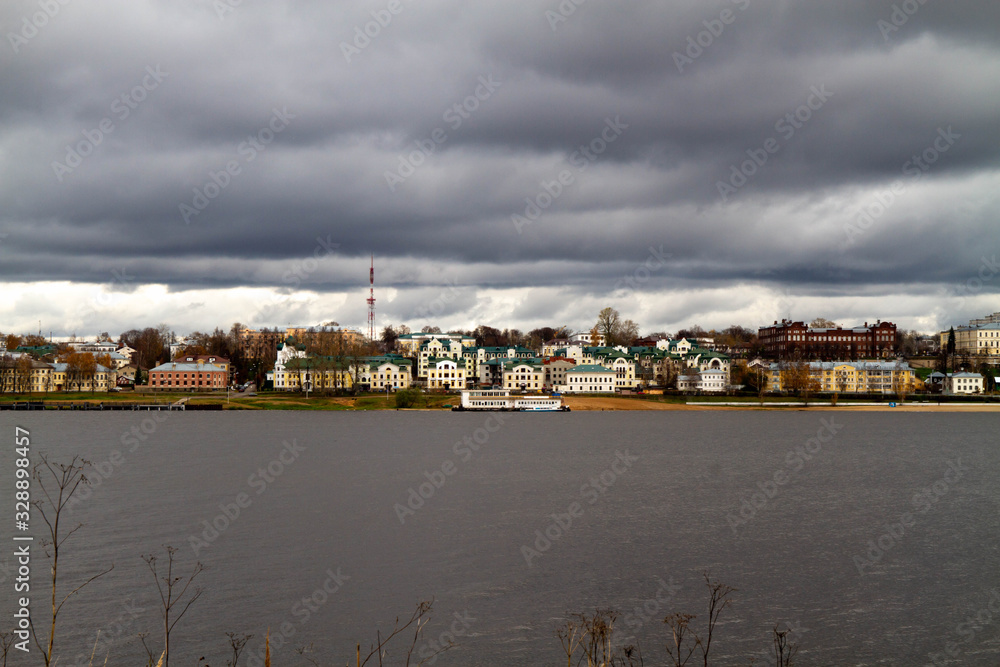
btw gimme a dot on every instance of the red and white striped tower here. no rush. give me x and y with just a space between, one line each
371 302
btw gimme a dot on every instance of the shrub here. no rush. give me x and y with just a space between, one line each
407 398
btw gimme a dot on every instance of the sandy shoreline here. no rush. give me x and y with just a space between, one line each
598 403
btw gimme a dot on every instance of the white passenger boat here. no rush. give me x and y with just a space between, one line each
500 399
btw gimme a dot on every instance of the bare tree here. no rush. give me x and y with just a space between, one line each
389 338
150 658
237 643
609 323
6 641
684 641
595 635
169 598
718 600
598 632
8 371
23 371
570 638
417 621
66 478
784 651
900 385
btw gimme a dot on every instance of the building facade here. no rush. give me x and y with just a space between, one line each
964 383
389 374
409 344
554 371
524 376
591 379
198 376
788 338
447 374
980 339
708 382
850 377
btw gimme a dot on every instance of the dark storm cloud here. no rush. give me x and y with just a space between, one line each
474 109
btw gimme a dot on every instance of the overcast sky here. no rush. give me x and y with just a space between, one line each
518 164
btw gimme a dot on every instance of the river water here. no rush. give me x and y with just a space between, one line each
875 536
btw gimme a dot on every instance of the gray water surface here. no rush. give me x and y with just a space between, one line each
654 499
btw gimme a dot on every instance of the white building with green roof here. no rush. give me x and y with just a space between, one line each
589 379
525 375
388 374
409 344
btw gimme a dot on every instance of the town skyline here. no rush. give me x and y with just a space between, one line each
431 323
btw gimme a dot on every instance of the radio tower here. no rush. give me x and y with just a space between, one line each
371 302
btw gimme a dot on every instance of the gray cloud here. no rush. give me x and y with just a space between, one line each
205 126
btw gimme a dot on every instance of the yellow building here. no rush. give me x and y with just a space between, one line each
448 374
982 339
314 374
64 379
613 359
526 375
861 377
438 348
410 344
15 376
384 374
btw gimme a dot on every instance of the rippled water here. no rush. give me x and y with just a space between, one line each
647 502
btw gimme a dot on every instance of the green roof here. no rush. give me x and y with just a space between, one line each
317 363
434 360
590 368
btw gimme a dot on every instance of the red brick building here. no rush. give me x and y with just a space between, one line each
787 338
188 377
208 359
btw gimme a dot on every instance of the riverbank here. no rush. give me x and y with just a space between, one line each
598 403
296 401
